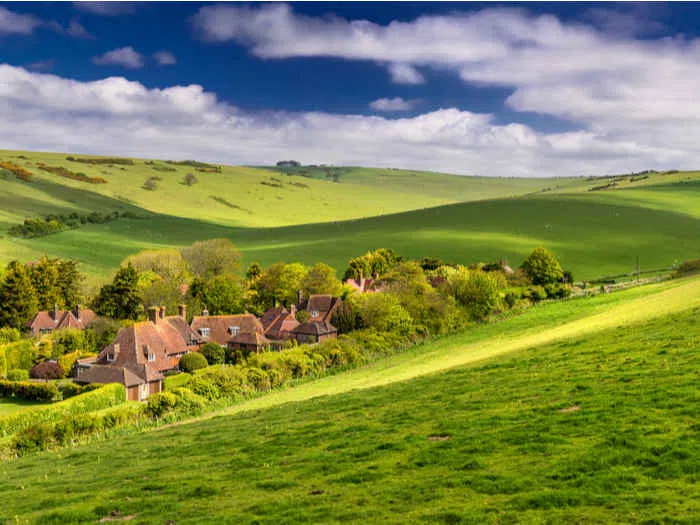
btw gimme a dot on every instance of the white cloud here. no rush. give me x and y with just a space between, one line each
16 23
77 30
391 104
107 8
164 58
115 116
124 56
405 74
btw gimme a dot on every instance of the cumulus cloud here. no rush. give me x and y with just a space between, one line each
116 116
405 74
16 23
77 30
124 56
391 104
164 58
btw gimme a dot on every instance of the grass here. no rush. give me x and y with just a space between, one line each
416 213
12 405
580 412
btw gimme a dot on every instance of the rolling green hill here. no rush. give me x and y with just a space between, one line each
578 411
460 219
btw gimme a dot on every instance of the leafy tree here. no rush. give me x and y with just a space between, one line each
120 299
213 353
478 292
253 273
302 316
47 370
190 179
384 313
192 361
280 284
542 267
320 279
213 257
9 335
150 184
223 294
104 331
17 374
44 277
69 282
373 263
166 264
17 297
345 318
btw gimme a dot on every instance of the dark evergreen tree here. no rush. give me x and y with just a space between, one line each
18 302
120 299
69 282
44 277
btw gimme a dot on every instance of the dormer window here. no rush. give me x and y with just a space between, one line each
314 313
45 330
233 330
111 356
204 331
151 356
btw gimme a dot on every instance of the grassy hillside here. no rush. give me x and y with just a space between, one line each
589 414
594 232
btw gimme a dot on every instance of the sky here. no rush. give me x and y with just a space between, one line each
527 90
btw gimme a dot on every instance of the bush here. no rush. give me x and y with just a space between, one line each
9 335
535 293
557 291
213 353
160 404
687 268
17 374
47 370
479 292
187 401
542 267
42 392
193 361
70 389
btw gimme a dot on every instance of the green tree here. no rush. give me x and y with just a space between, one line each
542 267
373 263
190 179
280 284
44 277
120 299
223 294
253 273
384 313
213 353
18 302
211 258
478 292
192 361
69 283
320 279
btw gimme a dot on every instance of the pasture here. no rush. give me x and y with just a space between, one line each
581 410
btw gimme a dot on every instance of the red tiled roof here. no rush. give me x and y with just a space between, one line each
269 317
315 328
105 374
220 325
324 304
62 319
250 338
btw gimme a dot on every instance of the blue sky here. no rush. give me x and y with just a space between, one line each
496 89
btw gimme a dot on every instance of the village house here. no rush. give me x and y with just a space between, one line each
46 322
321 307
363 285
315 332
140 354
241 331
279 324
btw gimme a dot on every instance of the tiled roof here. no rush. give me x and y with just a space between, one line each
61 319
220 325
109 374
315 328
324 304
250 338
269 317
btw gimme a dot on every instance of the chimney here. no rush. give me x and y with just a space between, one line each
161 312
205 312
293 311
76 312
182 311
153 314
300 297
55 313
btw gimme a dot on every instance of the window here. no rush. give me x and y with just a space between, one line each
204 332
151 356
314 313
233 330
45 330
110 356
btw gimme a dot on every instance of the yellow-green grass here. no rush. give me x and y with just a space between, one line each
594 233
12 405
593 420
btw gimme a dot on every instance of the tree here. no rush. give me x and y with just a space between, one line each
166 264
69 282
223 294
345 319
384 313
120 299
372 263
320 279
214 257
478 292
44 277
213 353
280 284
46 370
18 302
190 179
542 267
253 273
150 184
192 361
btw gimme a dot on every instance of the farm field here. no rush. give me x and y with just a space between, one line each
460 219
583 410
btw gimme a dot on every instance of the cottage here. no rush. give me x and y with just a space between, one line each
45 322
242 331
366 285
140 354
279 323
315 332
321 307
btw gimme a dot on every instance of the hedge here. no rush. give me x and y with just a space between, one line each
42 392
103 397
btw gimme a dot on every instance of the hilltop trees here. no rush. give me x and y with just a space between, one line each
18 301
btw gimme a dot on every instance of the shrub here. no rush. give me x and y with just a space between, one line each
557 290
479 292
17 374
535 293
160 404
190 179
187 401
151 184
42 392
542 267
9 335
204 388
193 361
687 268
70 389
46 370
213 353
259 379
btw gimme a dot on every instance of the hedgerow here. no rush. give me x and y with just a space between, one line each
18 171
68 174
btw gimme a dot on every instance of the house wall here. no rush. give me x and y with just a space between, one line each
154 387
132 393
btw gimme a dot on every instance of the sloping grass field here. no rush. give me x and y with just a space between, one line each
272 216
584 411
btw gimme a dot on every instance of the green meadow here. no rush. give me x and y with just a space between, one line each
579 411
273 216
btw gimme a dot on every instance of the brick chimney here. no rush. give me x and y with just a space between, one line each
205 312
153 314
161 312
300 297
182 311
54 314
293 311
76 312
